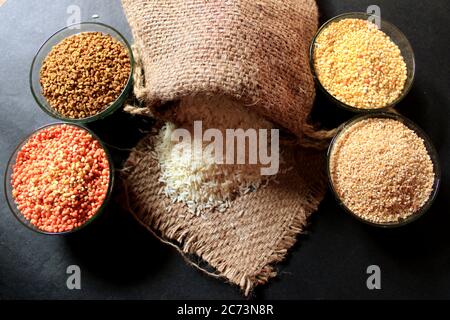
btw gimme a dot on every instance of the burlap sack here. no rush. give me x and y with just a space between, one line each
252 51
242 244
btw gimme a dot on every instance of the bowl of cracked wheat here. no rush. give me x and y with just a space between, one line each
383 169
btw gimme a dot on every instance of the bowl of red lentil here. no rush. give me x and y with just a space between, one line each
82 73
59 179
360 67
383 169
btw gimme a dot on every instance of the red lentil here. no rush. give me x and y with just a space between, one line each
60 178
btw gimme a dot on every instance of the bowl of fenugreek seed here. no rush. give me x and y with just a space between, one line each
362 62
383 169
82 73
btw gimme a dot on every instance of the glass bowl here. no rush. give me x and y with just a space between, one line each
8 187
431 151
56 38
396 36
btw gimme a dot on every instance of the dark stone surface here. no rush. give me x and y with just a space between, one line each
119 259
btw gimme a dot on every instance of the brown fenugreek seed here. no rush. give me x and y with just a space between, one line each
83 74
359 65
381 170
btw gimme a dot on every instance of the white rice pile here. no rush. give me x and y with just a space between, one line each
193 177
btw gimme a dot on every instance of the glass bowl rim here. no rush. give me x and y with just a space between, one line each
13 157
430 149
341 104
114 105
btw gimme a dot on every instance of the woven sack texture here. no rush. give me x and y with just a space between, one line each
255 51
252 51
244 243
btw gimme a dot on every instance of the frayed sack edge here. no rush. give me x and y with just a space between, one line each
192 252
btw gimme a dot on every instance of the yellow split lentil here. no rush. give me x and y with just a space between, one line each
381 170
359 65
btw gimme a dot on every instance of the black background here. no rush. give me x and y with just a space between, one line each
119 259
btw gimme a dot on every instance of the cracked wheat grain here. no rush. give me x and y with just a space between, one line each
381 170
